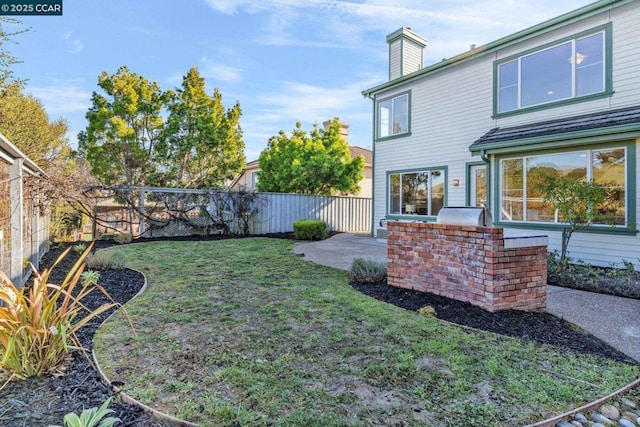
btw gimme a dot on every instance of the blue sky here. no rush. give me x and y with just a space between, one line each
283 60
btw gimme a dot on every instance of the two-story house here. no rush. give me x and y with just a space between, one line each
485 127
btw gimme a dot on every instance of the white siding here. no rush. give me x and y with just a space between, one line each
438 137
626 60
395 56
411 57
453 107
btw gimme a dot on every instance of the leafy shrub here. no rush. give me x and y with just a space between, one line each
368 271
93 417
89 277
79 248
308 229
38 330
620 280
103 260
122 238
427 311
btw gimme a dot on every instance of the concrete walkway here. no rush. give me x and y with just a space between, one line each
612 319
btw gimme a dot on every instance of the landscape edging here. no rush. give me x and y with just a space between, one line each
585 408
124 396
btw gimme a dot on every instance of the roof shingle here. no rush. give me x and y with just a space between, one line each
591 121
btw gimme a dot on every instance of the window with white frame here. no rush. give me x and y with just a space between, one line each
571 69
417 192
393 116
523 179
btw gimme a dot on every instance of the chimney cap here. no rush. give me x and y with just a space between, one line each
406 32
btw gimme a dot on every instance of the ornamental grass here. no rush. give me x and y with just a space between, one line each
38 327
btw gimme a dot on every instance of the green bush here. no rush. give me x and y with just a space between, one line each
79 248
89 277
308 229
368 271
38 328
123 238
119 238
103 260
92 417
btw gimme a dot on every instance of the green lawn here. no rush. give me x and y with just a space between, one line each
243 330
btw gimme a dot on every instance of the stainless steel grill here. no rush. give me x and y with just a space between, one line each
465 215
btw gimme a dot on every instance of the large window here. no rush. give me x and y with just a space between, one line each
523 179
393 116
571 69
417 192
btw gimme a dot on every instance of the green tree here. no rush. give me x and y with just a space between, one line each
579 205
202 142
124 126
315 163
123 129
6 59
24 121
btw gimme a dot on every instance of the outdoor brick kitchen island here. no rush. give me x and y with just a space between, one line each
469 263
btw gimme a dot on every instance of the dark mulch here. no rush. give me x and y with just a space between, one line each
45 401
542 327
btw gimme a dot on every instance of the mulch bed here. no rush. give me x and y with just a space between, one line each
45 401
541 327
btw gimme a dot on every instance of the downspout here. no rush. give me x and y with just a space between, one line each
373 163
483 156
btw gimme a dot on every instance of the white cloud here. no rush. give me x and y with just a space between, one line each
76 46
68 99
64 97
231 7
362 25
295 101
73 44
214 70
307 103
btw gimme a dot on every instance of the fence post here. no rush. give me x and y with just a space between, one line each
141 225
16 212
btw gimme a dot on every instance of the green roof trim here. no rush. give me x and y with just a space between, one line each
578 14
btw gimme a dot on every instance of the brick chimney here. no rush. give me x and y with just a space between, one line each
406 52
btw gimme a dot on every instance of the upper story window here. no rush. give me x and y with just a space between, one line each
393 116
567 70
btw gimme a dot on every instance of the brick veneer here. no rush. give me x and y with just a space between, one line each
466 263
